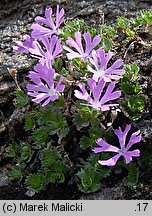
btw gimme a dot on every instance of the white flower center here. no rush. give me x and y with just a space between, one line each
122 151
51 92
96 104
101 72
84 56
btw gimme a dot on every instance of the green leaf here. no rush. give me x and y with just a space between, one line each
25 153
40 135
107 42
122 22
93 32
81 120
146 159
131 72
72 26
86 142
133 175
57 64
130 88
12 150
135 116
92 161
129 83
55 122
56 177
108 30
21 98
35 181
130 33
137 21
95 132
136 103
146 16
59 166
16 173
90 180
49 156
29 122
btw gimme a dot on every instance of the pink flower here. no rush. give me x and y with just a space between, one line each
39 31
53 48
24 46
98 102
124 148
79 51
100 61
44 88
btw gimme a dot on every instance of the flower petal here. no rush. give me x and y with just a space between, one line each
135 138
82 95
122 135
128 155
111 162
109 95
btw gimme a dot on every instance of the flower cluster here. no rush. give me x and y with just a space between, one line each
46 51
45 45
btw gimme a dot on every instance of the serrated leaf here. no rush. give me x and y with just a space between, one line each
29 122
56 177
132 175
55 122
21 98
86 142
95 132
130 33
49 156
122 22
107 42
136 103
90 180
25 153
16 173
12 150
59 166
137 21
135 116
130 88
35 181
146 16
40 134
72 26
131 72
81 120
108 30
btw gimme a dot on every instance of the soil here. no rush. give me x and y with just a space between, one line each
16 18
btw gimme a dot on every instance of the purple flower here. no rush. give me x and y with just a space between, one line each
100 60
124 148
53 48
80 52
98 102
43 88
40 31
24 46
